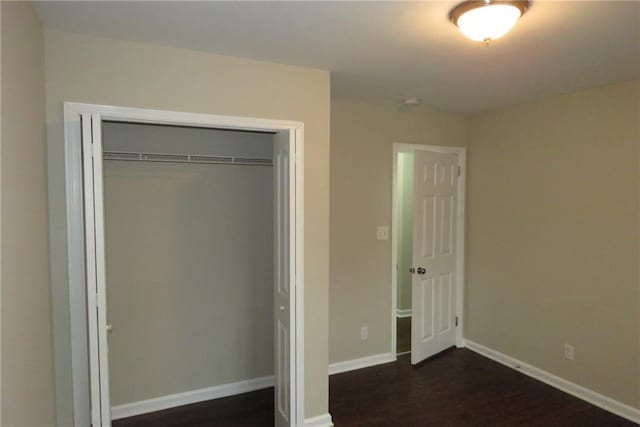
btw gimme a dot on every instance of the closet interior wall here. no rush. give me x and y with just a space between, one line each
189 258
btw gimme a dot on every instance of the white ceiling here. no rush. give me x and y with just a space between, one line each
389 50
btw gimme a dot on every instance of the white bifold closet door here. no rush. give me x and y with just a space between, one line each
284 272
95 269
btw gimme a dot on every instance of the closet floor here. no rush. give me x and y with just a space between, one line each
253 409
455 388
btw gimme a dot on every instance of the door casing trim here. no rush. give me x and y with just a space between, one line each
75 231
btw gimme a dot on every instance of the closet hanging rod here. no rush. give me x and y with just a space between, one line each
186 158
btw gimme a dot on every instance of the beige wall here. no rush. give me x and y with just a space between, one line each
189 250
404 194
553 192
97 70
27 369
361 166
552 245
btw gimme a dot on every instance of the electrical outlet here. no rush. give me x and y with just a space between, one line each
569 351
382 232
364 333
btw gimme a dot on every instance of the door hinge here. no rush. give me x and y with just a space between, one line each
456 321
459 170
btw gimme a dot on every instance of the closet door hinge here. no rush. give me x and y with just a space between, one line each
459 170
456 321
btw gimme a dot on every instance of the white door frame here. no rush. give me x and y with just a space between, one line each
75 234
460 237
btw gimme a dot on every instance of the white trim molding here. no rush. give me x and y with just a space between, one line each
590 396
189 397
363 362
323 420
403 312
84 376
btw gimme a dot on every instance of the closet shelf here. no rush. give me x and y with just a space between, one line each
186 158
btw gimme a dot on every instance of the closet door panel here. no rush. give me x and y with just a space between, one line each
95 268
284 351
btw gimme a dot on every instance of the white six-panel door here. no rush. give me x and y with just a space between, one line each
284 269
435 191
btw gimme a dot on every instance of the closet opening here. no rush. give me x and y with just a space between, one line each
189 287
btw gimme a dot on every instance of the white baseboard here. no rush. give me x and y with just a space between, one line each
363 362
595 398
323 420
400 312
186 398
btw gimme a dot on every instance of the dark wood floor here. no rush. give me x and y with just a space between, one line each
253 409
456 388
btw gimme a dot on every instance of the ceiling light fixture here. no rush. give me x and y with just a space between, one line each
487 20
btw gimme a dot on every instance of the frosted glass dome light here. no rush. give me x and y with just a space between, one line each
487 20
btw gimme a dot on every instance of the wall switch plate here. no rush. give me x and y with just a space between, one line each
364 333
569 351
382 232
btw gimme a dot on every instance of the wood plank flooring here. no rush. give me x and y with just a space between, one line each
243 410
456 388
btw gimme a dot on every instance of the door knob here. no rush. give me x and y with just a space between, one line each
282 308
109 328
421 270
